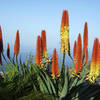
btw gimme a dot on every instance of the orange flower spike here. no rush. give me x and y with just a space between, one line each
65 19
17 44
62 21
55 68
97 58
38 51
1 41
65 32
74 51
78 66
43 43
86 55
8 51
93 60
85 38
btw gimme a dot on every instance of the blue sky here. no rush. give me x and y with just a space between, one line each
31 16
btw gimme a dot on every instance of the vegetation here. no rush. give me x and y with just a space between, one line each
41 78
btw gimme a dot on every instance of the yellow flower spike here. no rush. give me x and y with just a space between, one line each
95 62
97 70
65 32
97 59
92 68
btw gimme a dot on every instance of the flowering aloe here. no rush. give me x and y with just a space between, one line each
74 51
85 38
43 43
65 32
95 62
8 51
17 44
78 66
1 41
55 68
38 59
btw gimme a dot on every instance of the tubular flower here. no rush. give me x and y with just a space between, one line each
55 68
86 56
43 43
78 66
8 51
0 59
38 59
74 52
1 42
85 38
65 33
95 62
17 44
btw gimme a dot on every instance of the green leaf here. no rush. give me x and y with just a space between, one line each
65 87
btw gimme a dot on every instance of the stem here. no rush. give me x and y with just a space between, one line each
71 57
63 65
13 59
57 86
63 69
17 62
83 58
